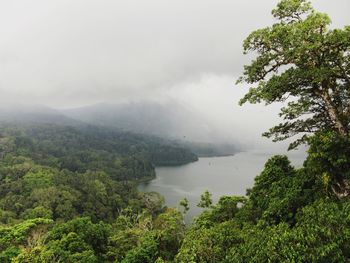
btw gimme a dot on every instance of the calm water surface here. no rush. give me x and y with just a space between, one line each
230 175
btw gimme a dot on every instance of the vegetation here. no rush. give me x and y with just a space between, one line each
288 216
305 63
51 215
68 194
124 156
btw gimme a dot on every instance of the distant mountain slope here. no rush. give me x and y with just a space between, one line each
175 123
83 148
51 127
25 114
171 120
202 149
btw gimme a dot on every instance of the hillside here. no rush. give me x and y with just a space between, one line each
33 114
171 121
69 194
74 181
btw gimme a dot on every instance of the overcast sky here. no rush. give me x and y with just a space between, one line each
69 53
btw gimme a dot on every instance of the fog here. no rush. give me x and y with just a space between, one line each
67 54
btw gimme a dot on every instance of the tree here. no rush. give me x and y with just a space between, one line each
280 190
78 240
303 62
206 200
329 159
184 203
19 237
171 231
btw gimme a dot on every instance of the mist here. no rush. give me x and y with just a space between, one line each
68 54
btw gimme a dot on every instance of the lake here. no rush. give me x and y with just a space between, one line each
229 175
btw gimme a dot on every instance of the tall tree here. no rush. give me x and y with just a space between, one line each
305 63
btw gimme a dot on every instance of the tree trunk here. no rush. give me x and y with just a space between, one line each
341 189
333 113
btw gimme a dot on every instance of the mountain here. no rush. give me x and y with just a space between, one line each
51 128
169 120
31 114
175 123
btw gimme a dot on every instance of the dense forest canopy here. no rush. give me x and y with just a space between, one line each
82 148
51 174
68 194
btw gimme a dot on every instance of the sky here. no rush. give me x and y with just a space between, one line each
70 53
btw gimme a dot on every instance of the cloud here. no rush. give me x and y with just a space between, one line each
65 53
68 53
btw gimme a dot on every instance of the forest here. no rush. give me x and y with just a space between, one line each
50 213
81 178
68 194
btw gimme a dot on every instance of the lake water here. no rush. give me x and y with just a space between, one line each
230 175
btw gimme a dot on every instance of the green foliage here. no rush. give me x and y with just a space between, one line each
147 252
153 202
37 179
300 60
287 217
280 190
67 193
78 178
171 156
206 200
12 237
329 159
78 240
227 208
124 156
171 231
208 244
37 212
320 235
184 203
139 238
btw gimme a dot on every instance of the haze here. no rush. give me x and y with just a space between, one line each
66 54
